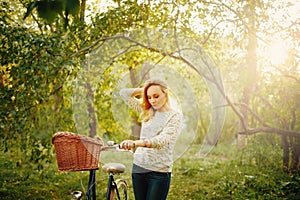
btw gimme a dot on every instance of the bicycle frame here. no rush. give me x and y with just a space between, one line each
91 193
111 186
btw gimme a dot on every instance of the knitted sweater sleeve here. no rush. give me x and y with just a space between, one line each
130 100
169 133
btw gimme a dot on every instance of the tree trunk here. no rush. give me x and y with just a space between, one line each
82 10
251 66
242 139
295 155
295 145
91 111
286 153
136 79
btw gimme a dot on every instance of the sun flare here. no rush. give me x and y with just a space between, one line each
277 53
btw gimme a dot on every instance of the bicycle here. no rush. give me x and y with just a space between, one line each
81 153
116 189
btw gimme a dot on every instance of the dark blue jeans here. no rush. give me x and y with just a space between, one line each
150 185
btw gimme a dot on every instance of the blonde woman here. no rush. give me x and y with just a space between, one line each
161 125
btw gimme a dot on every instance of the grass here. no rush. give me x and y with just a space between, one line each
221 175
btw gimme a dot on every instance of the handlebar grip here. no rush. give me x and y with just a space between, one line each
110 143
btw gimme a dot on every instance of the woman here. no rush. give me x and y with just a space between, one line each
161 125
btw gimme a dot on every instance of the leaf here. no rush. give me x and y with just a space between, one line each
48 10
30 8
72 7
45 11
57 6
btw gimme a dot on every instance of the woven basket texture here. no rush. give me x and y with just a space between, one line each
76 152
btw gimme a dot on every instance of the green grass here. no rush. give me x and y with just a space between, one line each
223 174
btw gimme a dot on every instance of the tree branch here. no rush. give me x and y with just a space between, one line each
287 75
177 55
271 130
88 48
211 31
255 115
238 113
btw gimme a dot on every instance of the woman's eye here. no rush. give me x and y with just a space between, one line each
154 96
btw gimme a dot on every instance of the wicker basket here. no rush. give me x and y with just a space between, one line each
76 152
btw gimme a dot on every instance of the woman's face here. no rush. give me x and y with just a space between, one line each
156 97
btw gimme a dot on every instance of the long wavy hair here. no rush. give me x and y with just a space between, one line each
148 111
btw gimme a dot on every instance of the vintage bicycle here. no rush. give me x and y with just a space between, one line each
76 152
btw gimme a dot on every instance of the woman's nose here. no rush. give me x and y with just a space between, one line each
152 100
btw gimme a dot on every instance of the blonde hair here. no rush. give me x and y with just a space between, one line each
148 111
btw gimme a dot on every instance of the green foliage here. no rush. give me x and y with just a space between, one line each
222 176
281 104
218 176
120 19
251 185
262 151
33 70
50 9
18 181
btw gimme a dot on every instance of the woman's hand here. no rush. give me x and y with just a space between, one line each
127 144
131 144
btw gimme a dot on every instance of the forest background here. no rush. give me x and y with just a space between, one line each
63 61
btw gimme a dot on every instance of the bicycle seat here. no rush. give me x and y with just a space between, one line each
113 168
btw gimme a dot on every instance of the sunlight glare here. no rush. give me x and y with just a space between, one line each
277 53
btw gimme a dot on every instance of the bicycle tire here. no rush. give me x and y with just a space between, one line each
122 189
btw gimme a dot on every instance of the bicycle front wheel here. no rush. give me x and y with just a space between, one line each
122 190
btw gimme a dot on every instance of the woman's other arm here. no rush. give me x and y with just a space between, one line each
131 97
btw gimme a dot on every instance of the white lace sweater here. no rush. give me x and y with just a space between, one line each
162 130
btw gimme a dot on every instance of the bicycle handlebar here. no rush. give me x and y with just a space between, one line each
111 145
